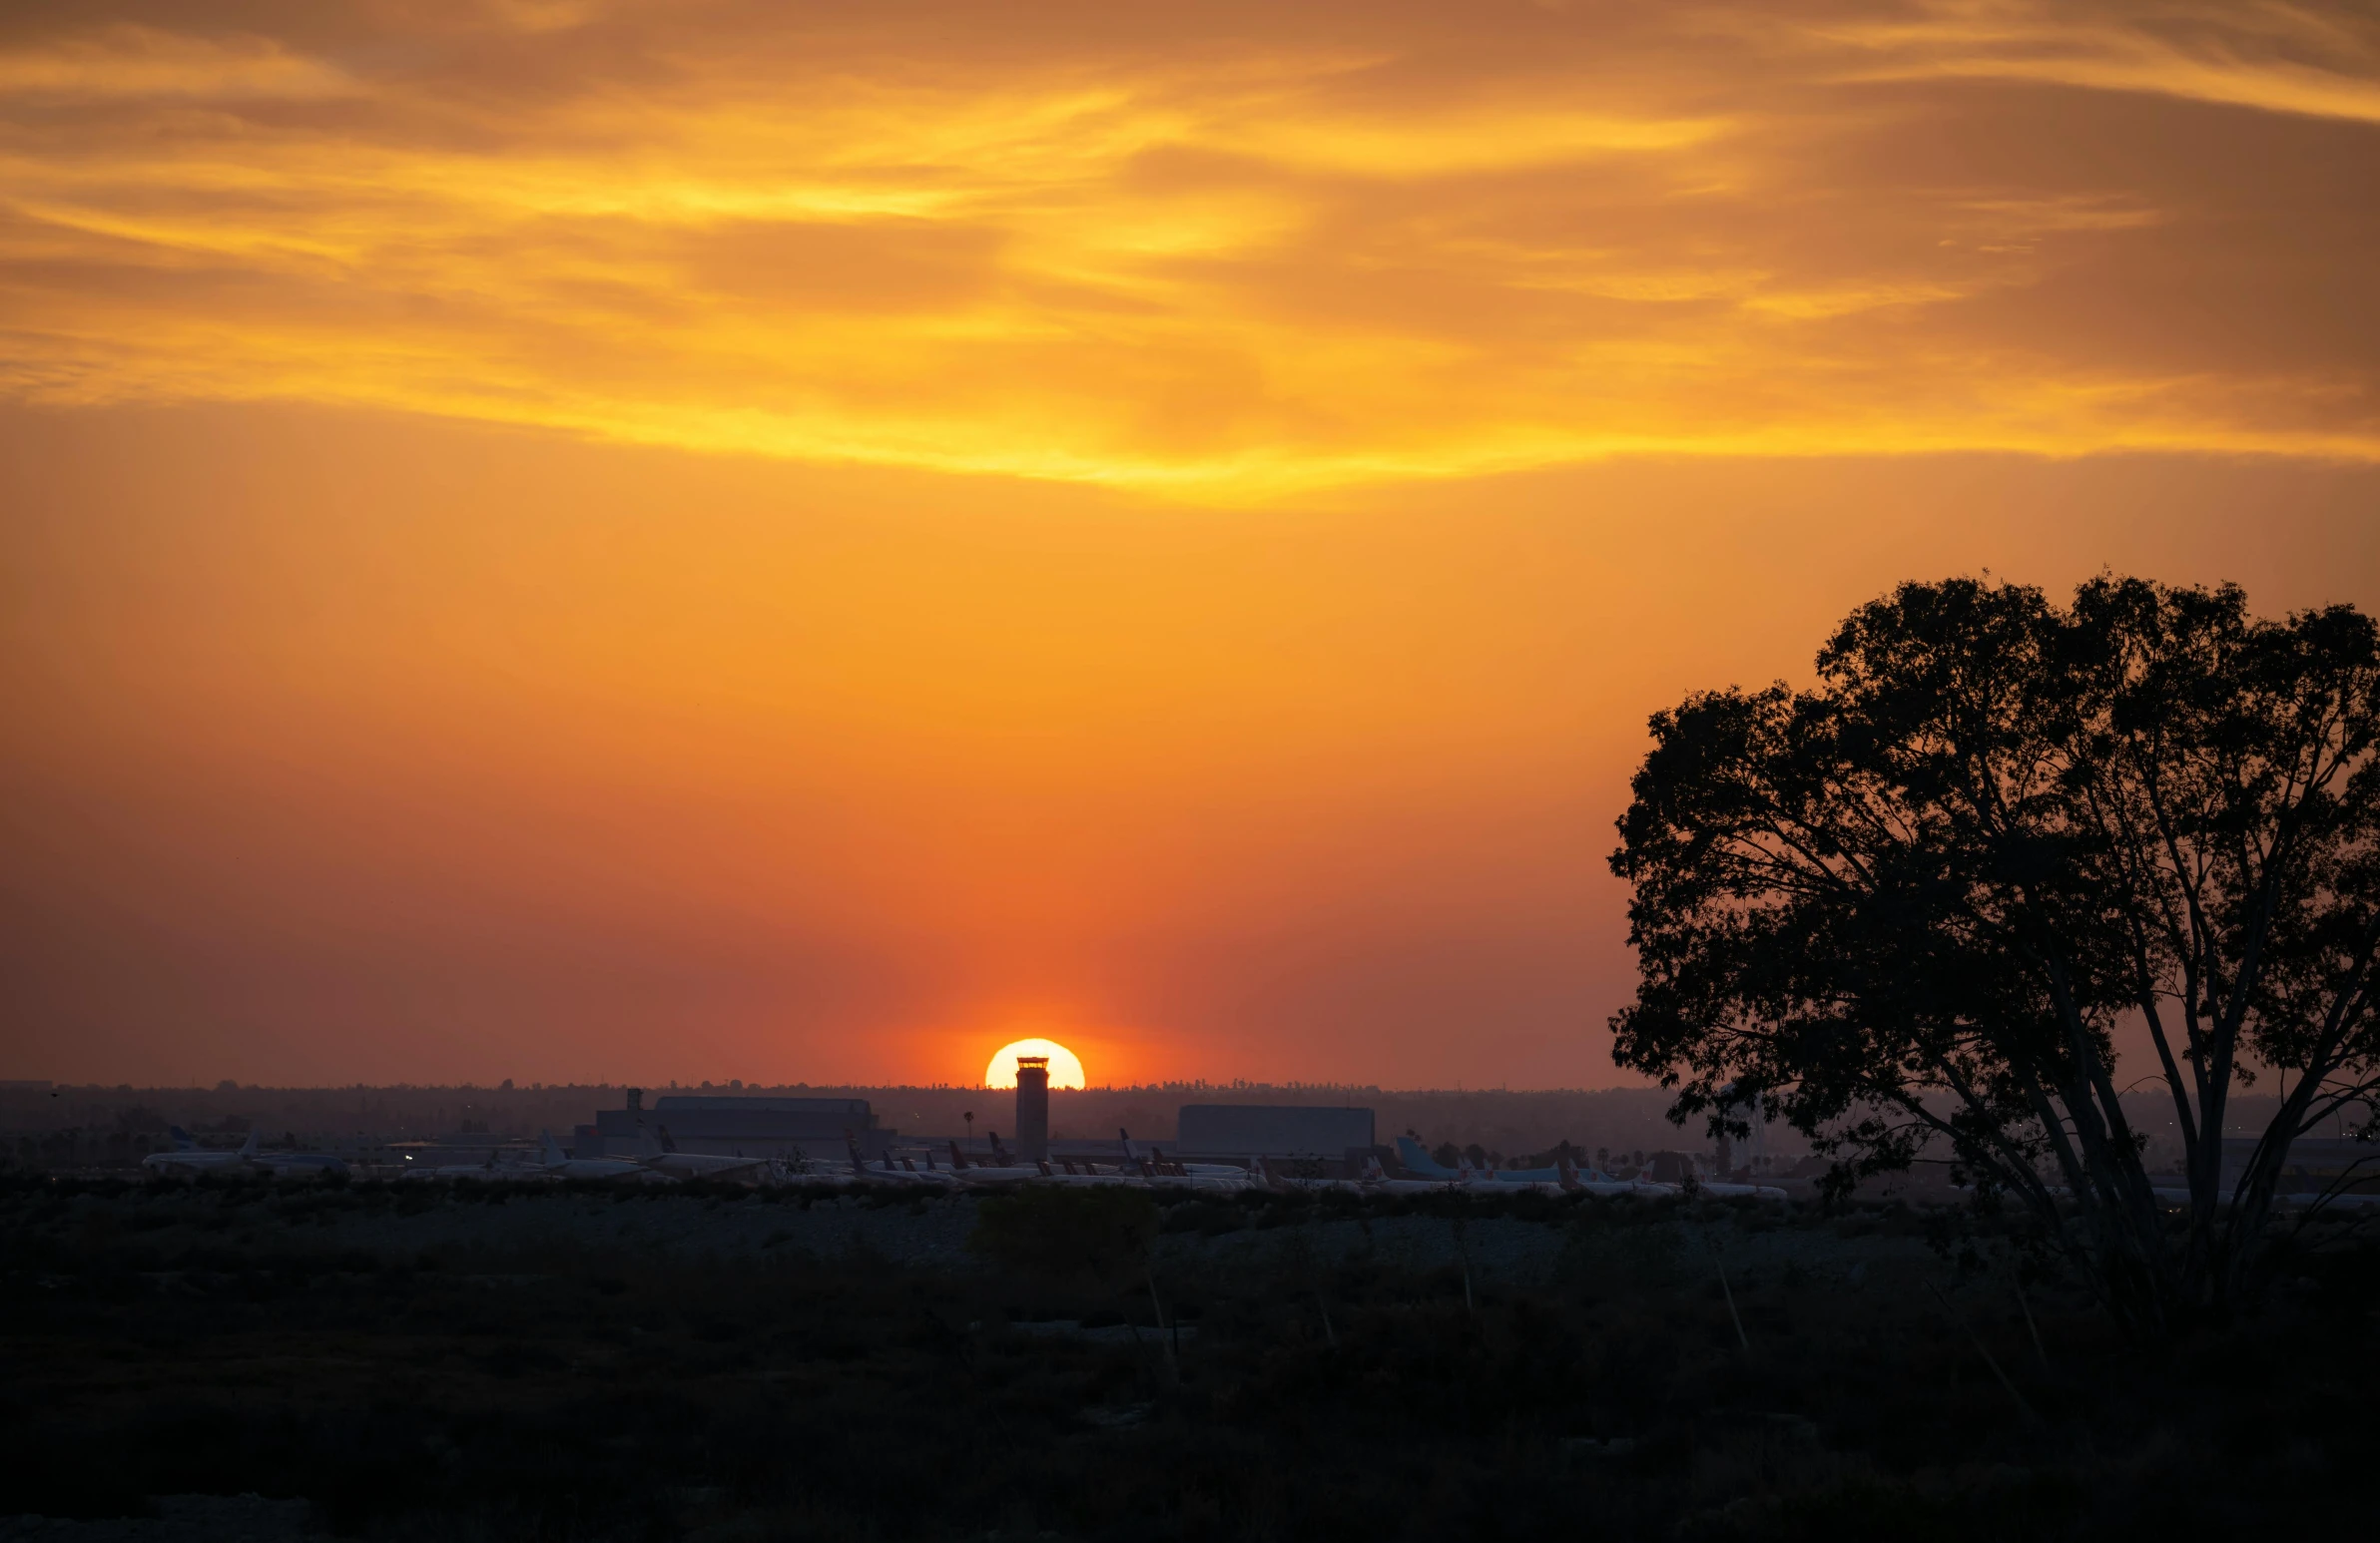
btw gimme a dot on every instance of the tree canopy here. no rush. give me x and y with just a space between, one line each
1906 909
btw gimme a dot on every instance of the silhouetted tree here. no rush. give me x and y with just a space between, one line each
1908 906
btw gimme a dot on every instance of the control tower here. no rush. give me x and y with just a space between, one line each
1033 1108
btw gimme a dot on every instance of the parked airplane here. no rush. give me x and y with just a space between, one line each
1202 1176
1563 1176
1270 1174
1069 1171
887 1172
1421 1165
298 1164
1519 1175
1161 1168
186 1154
907 1170
1723 1189
963 1169
1002 1169
1007 1172
1376 1181
561 1164
189 1157
1596 1182
1488 1178
662 1157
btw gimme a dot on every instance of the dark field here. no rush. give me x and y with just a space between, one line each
789 1378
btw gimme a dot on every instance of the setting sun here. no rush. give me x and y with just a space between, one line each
1065 1068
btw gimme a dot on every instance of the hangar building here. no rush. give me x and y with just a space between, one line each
740 1125
1246 1131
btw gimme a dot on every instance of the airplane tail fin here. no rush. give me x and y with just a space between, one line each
957 1158
550 1150
646 1146
852 1144
183 1140
1569 1171
669 1143
1419 1163
1126 1137
255 1133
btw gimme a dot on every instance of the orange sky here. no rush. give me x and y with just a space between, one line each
549 539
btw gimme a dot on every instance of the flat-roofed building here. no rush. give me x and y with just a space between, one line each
1335 1133
746 1124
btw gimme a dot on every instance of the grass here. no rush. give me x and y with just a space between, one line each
217 1340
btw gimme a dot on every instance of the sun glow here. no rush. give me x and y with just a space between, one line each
1065 1068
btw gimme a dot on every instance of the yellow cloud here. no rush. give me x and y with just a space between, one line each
2276 58
1234 268
133 62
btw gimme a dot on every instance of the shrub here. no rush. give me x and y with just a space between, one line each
1096 1236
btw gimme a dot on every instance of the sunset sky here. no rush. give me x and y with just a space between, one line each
554 540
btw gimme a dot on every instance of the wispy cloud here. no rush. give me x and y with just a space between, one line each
1226 253
2322 62
129 62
